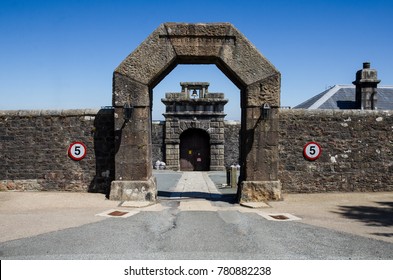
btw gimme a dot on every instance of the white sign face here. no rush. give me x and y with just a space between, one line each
77 150
312 151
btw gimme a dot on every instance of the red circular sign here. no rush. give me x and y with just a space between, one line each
312 151
77 150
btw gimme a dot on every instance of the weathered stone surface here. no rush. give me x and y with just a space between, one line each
232 143
366 88
21 185
245 60
133 158
357 150
147 63
158 147
128 91
265 91
34 150
203 40
260 191
134 190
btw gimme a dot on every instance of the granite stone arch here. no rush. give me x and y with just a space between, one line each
184 126
180 43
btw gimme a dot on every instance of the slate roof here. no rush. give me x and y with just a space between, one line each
343 97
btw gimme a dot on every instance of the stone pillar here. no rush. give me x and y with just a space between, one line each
172 155
217 144
172 143
133 166
259 144
217 156
366 88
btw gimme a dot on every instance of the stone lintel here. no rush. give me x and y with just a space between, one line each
134 190
172 141
253 191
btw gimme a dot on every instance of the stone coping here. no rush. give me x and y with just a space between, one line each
91 112
43 113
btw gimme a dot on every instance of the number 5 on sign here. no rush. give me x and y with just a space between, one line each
77 151
312 151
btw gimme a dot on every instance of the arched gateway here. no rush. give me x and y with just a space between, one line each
179 43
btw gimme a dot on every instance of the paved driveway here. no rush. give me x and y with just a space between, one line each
45 225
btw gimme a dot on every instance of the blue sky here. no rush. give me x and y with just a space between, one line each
61 54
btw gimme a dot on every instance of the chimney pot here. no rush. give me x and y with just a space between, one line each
366 88
366 65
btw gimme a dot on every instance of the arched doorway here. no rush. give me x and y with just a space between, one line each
194 150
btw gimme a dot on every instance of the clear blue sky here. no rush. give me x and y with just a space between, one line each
61 54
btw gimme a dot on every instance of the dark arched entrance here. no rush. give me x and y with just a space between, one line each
194 150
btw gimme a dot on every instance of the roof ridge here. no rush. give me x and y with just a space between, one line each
353 86
329 93
346 85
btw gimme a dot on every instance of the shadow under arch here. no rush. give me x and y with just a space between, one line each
104 152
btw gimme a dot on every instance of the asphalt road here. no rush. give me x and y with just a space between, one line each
176 234
43 225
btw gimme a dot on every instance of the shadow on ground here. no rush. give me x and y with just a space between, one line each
381 215
230 198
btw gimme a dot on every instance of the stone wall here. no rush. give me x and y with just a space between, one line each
357 150
34 147
157 136
232 142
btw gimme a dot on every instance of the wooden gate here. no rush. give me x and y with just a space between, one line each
194 150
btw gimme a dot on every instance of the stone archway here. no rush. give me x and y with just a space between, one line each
179 43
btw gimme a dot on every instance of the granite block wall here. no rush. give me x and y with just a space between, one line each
232 142
357 150
157 138
34 147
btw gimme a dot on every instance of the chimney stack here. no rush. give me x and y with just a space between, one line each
366 88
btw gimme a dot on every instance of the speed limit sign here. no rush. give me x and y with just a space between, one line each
312 151
77 151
